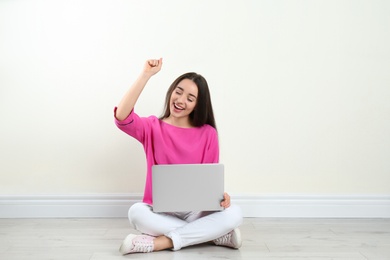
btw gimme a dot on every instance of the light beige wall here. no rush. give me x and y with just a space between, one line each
301 91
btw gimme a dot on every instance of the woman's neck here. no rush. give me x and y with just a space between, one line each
179 122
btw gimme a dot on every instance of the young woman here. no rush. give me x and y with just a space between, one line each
186 133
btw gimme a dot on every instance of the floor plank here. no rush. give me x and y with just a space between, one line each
98 239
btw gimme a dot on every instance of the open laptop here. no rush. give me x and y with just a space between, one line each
187 187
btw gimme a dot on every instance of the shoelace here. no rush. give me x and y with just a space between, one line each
143 245
223 240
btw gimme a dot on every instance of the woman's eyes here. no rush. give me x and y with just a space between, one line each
180 93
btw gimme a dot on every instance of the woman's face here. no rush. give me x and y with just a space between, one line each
183 99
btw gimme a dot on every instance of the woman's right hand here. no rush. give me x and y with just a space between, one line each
128 101
151 67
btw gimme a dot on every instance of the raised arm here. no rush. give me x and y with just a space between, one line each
128 101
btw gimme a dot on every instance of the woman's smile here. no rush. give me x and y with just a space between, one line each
178 107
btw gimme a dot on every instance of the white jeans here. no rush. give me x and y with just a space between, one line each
185 228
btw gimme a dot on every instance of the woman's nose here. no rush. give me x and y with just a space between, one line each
181 99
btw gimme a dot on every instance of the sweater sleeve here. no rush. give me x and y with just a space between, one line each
133 125
212 151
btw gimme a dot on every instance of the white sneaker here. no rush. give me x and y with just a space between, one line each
137 244
231 239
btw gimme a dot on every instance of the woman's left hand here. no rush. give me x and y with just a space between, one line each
226 201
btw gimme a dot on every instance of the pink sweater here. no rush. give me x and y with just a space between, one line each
167 144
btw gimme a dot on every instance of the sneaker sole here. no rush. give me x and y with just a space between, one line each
237 238
124 250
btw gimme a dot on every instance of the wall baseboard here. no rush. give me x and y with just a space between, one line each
275 206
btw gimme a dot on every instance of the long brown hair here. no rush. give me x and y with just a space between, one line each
203 111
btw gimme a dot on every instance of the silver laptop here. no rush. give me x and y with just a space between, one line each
187 187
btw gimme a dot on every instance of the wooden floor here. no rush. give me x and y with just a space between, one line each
98 239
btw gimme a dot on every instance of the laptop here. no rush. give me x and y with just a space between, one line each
187 187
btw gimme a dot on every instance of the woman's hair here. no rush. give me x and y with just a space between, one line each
203 111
